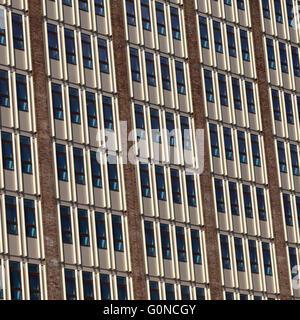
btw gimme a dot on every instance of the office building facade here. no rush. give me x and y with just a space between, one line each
108 190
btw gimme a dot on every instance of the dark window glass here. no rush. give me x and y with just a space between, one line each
117 232
122 288
70 46
99 7
135 65
253 256
281 156
61 160
228 143
223 90
287 209
289 108
255 150
11 215
2 32
100 230
296 65
79 166
233 198
66 227
200 295
86 51
185 292
239 255
154 291
250 97
276 105
165 241
34 282
105 287
203 32
244 44
88 287
278 12
7 151
150 69
29 212
145 14
57 101
261 203
293 259
83 5
170 295
242 146
236 94
225 251
160 182
139 121
91 109
247 201
15 280
214 140
219 195
294 158
283 57
52 41
267 258
113 177
180 77
209 86
217 36
25 147
170 127
103 56
266 9
83 227
96 170
4 89
21 84
190 188
130 12
107 113
271 54
70 284
74 105
165 73
18 31
149 235
175 23
180 241
160 18
195 239
145 183
175 186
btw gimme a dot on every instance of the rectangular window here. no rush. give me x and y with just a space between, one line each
165 73
294 158
261 203
139 121
195 239
239 255
70 284
255 150
175 23
170 127
107 113
113 177
100 230
214 140
271 54
160 182
180 77
11 215
74 105
165 241
21 84
145 15
83 5
219 195
66 226
223 89
99 7
57 101
83 225
228 143
296 65
2 29
247 201
266 9
150 69
105 287
91 109
289 108
228 2
160 18
231 41
61 159
190 188
15 280
208 86
253 256
244 44
225 252
276 105
293 259
242 146
70 46
25 147
233 198
180 241
154 291
175 186
278 12
79 165
203 32
155 125
298 210
145 182
149 235
281 156
200 295
250 97
88 286
135 65
52 41
67 2
86 51
236 93
240 4
267 258
185 132
103 56
96 170
287 209
4 89
34 281
117 232
185 292
7 151
122 288
130 12
217 36
283 57
170 294
29 212
18 31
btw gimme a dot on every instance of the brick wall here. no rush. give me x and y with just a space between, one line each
45 156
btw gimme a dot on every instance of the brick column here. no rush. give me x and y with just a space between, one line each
45 156
133 214
208 206
270 152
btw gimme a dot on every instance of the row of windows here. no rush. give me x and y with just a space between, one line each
165 242
240 255
161 182
240 4
21 90
241 296
16 285
221 81
284 56
8 152
205 25
71 45
166 70
242 139
100 224
241 196
84 5
145 7
79 167
76 101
